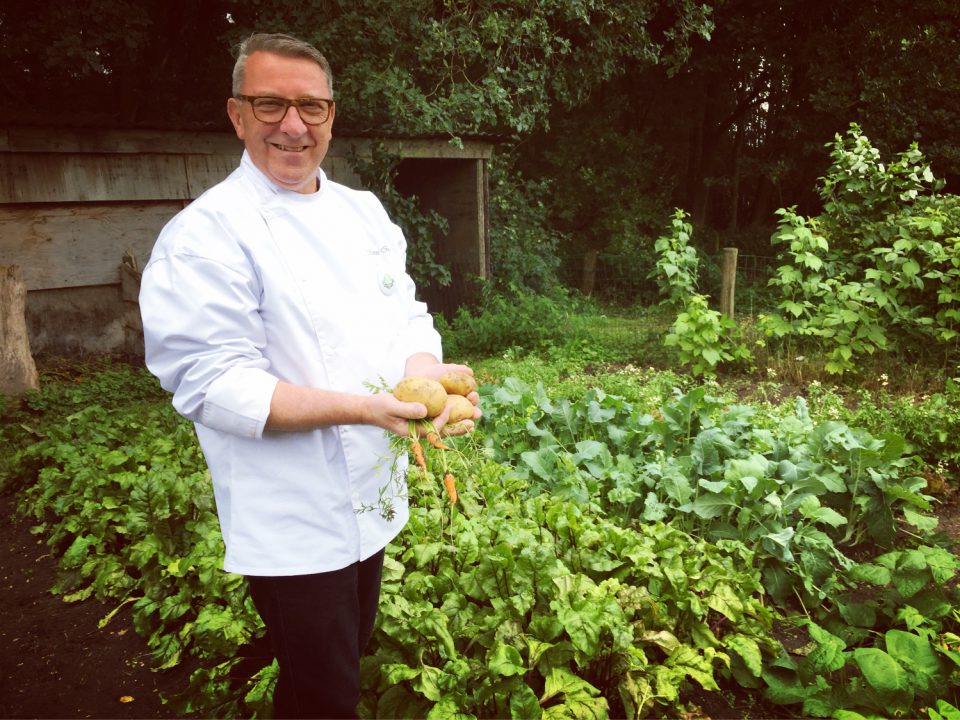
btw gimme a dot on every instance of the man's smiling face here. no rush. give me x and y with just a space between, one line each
288 151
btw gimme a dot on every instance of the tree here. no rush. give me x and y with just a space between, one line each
115 63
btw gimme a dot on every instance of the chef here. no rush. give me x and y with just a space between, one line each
273 307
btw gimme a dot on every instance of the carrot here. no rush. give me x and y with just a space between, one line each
434 439
450 483
417 449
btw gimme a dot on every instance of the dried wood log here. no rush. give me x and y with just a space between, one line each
18 372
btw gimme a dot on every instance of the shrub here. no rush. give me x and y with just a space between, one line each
517 318
879 269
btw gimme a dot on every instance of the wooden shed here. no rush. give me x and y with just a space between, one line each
81 209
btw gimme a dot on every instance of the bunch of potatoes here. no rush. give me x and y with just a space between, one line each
450 390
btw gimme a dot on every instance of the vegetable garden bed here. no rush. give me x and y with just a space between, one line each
608 555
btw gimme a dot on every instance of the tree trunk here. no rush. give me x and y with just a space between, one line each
18 373
734 219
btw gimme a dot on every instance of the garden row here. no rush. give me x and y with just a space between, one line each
607 557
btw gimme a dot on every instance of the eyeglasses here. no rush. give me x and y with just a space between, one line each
313 111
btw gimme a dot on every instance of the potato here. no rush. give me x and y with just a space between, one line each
458 383
460 408
422 390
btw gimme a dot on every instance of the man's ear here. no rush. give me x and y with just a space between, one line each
233 112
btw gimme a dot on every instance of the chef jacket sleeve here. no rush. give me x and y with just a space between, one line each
203 338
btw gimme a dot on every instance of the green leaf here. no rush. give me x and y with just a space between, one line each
583 625
886 676
448 709
918 658
873 574
943 564
505 660
524 704
396 673
828 655
778 543
810 508
785 691
711 505
749 651
560 682
725 600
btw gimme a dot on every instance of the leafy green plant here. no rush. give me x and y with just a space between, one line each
123 498
883 645
877 270
809 502
504 320
930 422
532 605
703 336
610 554
523 246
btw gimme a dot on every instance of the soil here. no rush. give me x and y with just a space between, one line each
57 663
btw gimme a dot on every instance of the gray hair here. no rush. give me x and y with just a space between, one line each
278 44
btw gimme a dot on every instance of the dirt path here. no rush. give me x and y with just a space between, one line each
55 662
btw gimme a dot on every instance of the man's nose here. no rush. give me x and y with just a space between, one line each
292 123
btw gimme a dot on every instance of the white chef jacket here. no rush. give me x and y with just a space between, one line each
251 284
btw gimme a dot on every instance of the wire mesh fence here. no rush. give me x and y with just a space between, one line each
627 282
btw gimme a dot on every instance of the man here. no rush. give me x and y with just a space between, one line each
271 306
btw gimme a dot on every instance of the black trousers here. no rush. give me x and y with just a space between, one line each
318 626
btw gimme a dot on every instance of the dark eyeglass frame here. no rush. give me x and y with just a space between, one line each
296 102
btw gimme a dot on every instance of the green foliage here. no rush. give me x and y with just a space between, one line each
930 423
810 502
523 246
703 336
534 605
121 494
879 270
483 67
677 266
502 320
611 554
57 400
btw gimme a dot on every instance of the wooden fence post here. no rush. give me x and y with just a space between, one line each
728 281
130 274
18 372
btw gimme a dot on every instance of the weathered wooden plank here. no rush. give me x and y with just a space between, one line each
60 178
82 140
205 171
108 142
76 321
67 178
77 245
